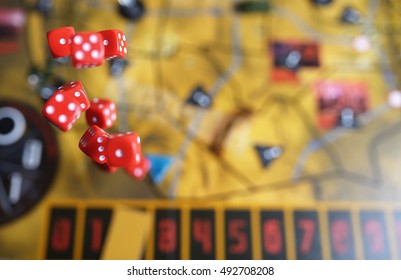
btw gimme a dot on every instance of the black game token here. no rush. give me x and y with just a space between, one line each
48 88
293 60
117 66
287 55
44 6
35 78
64 60
43 84
350 15
47 91
28 159
252 6
347 118
131 9
200 98
321 2
268 153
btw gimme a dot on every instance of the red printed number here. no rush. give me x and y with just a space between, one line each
272 236
61 235
167 230
202 231
97 226
374 234
340 231
308 227
235 233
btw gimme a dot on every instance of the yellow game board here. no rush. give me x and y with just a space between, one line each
268 136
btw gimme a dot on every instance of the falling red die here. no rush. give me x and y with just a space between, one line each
124 149
87 49
59 41
102 112
106 167
115 43
139 170
65 106
93 143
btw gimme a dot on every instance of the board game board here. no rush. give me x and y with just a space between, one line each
266 102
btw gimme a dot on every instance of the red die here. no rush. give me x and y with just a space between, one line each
124 149
87 49
102 112
59 41
93 143
77 88
139 170
65 106
106 167
115 43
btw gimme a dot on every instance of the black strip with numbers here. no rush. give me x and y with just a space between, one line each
227 232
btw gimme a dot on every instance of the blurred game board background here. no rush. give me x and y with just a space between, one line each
242 102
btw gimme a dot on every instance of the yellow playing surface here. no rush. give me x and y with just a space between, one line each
181 44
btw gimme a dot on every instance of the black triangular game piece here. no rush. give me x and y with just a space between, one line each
268 153
200 98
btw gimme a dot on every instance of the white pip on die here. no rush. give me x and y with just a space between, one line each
115 43
87 50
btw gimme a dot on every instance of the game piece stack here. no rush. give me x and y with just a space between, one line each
108 151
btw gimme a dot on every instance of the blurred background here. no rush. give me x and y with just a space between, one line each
273 129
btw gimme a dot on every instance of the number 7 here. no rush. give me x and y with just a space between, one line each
308 227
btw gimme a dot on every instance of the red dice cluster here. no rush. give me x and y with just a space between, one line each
87 49
108 151
113 151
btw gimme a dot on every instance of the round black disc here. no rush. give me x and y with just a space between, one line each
28 159
131 9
